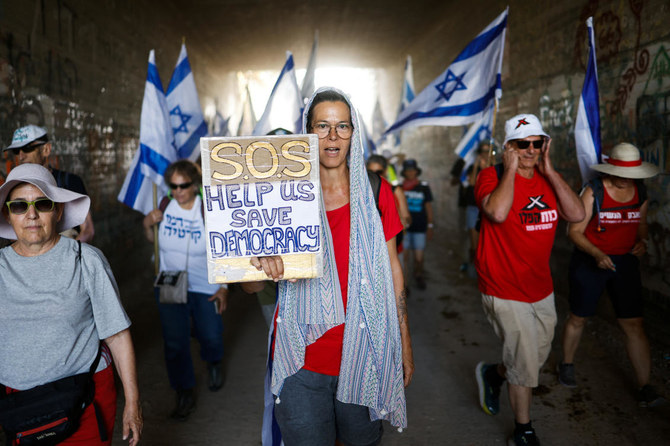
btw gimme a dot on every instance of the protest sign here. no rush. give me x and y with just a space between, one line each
261 197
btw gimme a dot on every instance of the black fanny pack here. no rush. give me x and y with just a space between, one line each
50 413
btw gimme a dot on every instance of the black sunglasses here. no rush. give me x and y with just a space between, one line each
523 144
180 186
27 149
21 206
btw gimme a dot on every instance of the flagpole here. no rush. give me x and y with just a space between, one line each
156 259
493 129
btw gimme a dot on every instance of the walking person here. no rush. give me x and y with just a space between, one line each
60 316
520 202
608 244
183 247
341 349
419 202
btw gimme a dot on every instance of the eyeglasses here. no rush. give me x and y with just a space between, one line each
21 206
523 144
180 186
27 149
343 129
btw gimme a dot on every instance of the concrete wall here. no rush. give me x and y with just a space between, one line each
78 68
544 66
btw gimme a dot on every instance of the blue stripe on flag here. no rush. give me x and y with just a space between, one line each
180 72
153 159
187 148
134 186
288 66
458 110
154 78
481 42
592 103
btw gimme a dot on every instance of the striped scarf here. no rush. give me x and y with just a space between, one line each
371 372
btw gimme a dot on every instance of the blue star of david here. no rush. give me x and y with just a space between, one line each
458 85
183 119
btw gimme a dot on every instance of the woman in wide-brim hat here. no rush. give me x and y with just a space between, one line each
60 304
609 241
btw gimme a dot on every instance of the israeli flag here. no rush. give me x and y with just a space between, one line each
478 132
248 119
466 89
308 81
407 85
188 122
156 151
284 107
587 125
220 127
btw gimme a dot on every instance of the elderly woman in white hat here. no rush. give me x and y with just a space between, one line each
608 243
60 313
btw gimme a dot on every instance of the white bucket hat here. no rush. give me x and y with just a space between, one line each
625 162
75 205
523 126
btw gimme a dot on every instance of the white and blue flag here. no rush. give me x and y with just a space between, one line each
308 82
156 151
284 106
188 122
248 119
220 125
466 89
478 132
407 95
587 125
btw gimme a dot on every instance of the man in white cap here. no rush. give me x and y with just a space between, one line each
30 144
521 201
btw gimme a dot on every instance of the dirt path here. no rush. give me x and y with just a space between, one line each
450 335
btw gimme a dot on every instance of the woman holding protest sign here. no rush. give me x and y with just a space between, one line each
61 322
341 348
183 257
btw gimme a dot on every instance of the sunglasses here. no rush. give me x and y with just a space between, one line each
523 144
180 186
27 149
21 206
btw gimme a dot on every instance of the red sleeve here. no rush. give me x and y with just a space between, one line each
487 181
390 218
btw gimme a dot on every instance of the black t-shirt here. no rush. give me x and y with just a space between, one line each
416 202
69 181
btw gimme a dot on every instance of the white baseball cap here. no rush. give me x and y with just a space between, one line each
523 126
26 135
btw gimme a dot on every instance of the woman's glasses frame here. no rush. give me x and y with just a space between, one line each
20 207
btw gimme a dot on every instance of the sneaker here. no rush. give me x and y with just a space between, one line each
216 376
566 374
185 405
488 394
523 438
647 396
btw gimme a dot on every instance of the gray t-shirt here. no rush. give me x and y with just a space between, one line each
54 309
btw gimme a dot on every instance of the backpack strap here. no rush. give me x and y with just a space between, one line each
376 184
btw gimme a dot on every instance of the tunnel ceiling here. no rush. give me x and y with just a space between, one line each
254 34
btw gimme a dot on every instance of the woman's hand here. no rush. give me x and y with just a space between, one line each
273 266
221 299
639 248
152 218
605 262
132 422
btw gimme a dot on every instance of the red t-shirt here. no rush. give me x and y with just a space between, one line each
620 225
324 355
513 256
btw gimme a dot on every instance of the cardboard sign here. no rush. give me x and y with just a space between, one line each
261 198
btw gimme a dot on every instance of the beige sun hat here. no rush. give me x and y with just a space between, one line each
75 205
625 162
